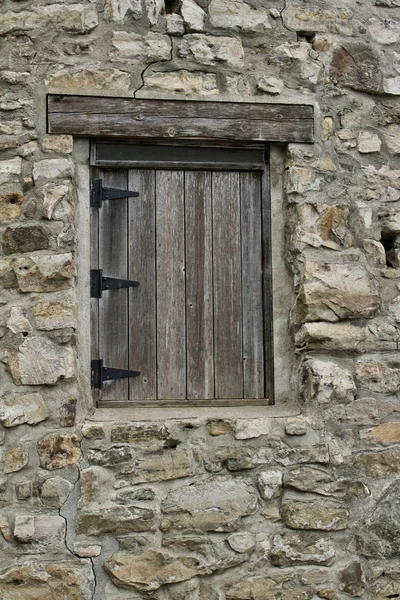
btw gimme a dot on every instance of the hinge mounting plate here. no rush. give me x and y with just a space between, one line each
99 374
98 193
98 283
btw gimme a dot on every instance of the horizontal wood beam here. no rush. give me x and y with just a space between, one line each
91 116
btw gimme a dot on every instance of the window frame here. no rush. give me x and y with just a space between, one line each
94 117
105 153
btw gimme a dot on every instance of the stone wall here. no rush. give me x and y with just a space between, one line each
294 508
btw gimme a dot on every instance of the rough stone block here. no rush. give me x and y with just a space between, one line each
212 50
357 66
15 459
74 18
10 206
25 238
237 15
213 505
10 169
378 377
44 273
352 579
301 548
335 291
269 484
344 336
139 432
314 514
55 491
17 321
318 16
59 144
41 533
379 464
326 382
39 361
156 466
183 82
193 15
151 569
55 315
117 10
58 450
132 47
309 479
115 519
16 409
69 580
52 168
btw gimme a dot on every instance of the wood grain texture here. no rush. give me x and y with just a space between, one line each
170 245
129 117
227 285
252 292
267 288
113 306
142 299
199 285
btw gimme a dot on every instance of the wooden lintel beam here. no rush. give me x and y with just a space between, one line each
91 116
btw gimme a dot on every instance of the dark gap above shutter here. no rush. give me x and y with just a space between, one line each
108 154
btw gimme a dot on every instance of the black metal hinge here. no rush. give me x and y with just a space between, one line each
98 283
99 374
98 193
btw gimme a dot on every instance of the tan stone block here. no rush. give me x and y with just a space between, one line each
183 82
336 291
132 47
42 273
212 49
15 459
58 450
59 144
55 315
296 548
16 409
66 580
151 569
386 433
318 17
10 206
379 464
324 515
171 464
238 16
89 80
213 505
219 427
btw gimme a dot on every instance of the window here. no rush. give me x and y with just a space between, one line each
196 239
186 146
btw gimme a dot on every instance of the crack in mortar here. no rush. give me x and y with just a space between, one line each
154 62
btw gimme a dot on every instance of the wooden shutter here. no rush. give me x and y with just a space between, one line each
198 326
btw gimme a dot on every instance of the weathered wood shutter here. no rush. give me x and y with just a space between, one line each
198 326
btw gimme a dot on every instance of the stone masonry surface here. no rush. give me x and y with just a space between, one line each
305 507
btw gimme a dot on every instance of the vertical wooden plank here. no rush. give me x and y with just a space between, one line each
113 254
252 289
199 285
170 244
142 299
267 287
227 285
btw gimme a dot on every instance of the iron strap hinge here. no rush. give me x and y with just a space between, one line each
99 374
98 283
98 193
